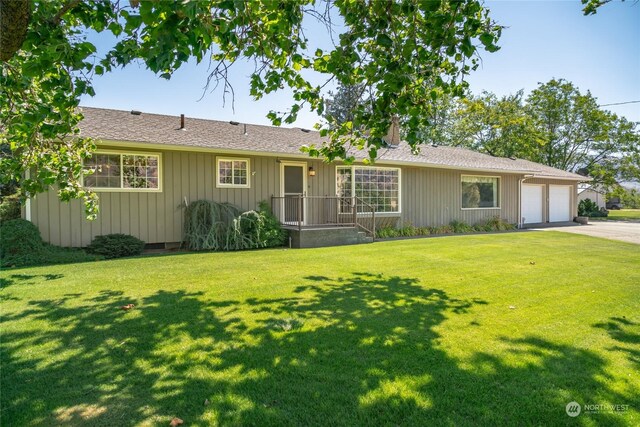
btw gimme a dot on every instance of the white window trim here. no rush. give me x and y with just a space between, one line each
305 187
305 171
353 185
233 159
129 190
482 176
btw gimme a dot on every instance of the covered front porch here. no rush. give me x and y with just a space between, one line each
316 221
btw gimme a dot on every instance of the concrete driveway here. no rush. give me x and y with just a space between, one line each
615 230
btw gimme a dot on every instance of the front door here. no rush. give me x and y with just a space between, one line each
294 184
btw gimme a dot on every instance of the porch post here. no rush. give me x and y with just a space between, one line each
373 220
299 212
355 211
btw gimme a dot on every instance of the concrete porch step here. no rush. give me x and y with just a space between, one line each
362 236
327 236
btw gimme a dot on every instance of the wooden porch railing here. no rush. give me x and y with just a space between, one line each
301 211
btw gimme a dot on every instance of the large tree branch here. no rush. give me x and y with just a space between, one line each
67 7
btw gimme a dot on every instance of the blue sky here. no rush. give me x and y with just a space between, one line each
544 40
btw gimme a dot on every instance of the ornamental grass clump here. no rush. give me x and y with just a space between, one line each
244 232
207 224
217 226
498 224
455 226
461 227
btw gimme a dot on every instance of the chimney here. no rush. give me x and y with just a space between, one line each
182 122
393 134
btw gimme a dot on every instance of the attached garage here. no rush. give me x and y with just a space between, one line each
532 203
560 203
545 201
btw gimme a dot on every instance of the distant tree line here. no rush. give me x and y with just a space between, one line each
556 125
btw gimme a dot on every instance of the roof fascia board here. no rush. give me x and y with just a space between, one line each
563 178
174 147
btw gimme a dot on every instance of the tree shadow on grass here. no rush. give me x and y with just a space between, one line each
23 279
27 279
357 350
626 334
619 329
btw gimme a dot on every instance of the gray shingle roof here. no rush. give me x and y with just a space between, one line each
116 125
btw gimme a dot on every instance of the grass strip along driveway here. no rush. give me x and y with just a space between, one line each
620 215
468 330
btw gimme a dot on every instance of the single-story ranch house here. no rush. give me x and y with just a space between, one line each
148 166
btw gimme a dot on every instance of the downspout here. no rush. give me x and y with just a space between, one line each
520 181
27 204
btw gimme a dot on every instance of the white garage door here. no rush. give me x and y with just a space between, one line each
531 203
559 203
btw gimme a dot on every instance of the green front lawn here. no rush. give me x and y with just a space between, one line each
621 215
468 330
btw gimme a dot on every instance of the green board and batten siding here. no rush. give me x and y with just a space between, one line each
429 196
157 217
434 197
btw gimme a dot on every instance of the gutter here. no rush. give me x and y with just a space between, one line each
562 178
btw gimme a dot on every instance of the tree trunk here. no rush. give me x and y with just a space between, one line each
14 21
